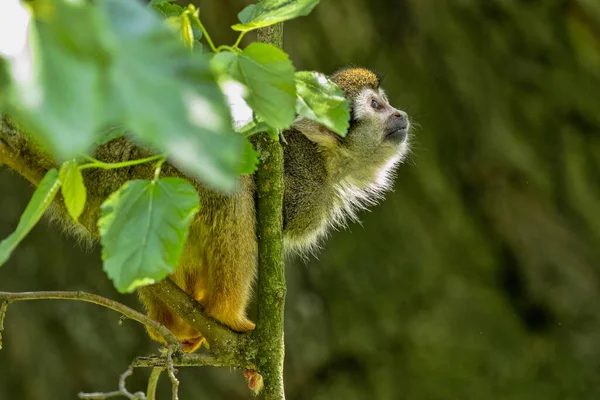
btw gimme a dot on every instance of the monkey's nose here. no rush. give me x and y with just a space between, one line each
397 126
401 119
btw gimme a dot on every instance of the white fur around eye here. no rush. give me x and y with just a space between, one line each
383 95
362 104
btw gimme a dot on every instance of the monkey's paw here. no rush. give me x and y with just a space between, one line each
190 345
255 381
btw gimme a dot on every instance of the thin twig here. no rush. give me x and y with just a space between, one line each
7 297
121 392
153 383
100 396
172 377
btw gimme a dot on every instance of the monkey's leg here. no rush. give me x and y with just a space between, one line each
227 295
230 261
229 283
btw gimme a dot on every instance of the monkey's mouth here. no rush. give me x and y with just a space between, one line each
397 135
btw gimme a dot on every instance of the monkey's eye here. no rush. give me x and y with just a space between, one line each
376 105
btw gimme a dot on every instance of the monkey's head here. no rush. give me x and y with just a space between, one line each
378 135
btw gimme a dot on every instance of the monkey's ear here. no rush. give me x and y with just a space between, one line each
317 133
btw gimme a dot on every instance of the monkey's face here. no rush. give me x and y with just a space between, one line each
376 125
378 134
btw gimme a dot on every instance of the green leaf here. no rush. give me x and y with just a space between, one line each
182 20
110 133
268 75
250 159
54 94
257 126
196 29
155 3
38 204
253 128
143 228
187 34
270 12
169 96
168 10
245 15
81 17
72 188
4 81
322 101
159 90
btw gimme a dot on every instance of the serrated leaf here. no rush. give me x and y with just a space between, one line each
268 74
72 188
40 201
270 12
143 228
322 101
169 96
250 159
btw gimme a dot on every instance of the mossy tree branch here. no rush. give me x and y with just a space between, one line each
271 278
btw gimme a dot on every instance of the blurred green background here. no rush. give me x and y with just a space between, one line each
478 278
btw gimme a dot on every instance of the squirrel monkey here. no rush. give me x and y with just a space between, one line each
327 179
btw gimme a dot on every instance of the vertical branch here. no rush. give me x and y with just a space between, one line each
271 283
153 383
3 308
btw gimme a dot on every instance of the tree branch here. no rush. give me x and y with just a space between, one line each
190 360
271 277
7 298
223 341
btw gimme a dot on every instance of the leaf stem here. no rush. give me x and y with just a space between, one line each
157 169
230 48
239 39
207 36
99 164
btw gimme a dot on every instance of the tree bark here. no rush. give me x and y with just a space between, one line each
271 277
